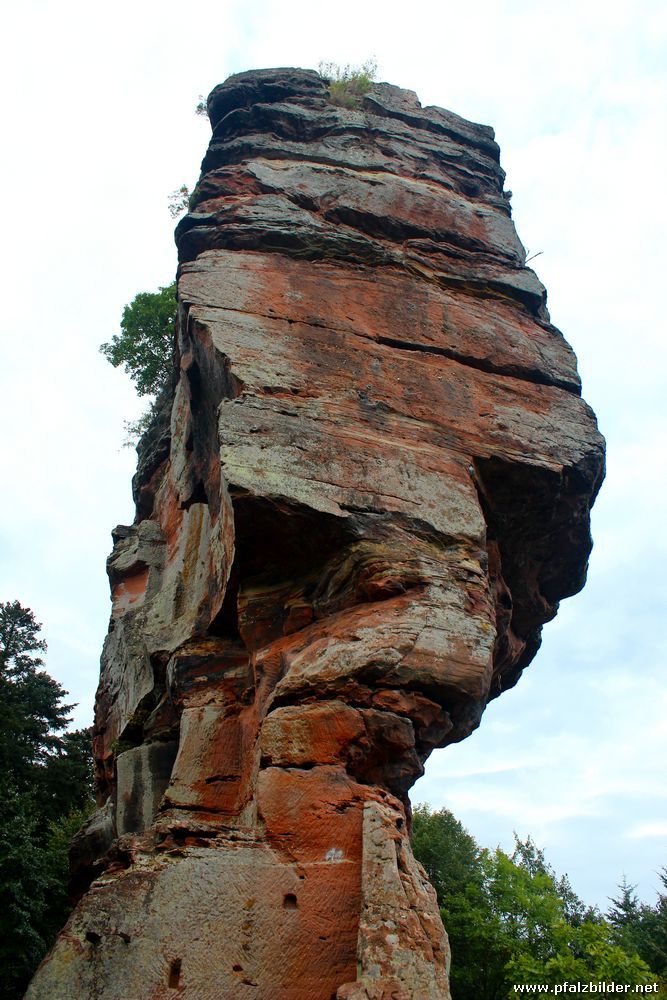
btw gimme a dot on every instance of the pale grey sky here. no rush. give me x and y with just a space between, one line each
99 128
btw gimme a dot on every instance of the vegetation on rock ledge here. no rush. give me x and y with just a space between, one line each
348 84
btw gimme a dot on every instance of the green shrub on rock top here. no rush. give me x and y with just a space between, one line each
348 84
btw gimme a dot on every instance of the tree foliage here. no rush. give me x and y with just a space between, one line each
179 200
511 919
642 928
146 342
24 888
31 709
45 793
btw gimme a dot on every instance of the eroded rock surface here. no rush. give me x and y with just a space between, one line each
368 491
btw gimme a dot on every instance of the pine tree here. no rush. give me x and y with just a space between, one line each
624 915
32 712
45 792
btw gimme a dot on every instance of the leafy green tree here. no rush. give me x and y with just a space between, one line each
527 855
546 946
449 854
510 919
146 341
456 866
587 953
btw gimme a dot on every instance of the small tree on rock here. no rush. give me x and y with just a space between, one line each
145 348
146 341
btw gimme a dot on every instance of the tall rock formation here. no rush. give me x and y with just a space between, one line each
368 491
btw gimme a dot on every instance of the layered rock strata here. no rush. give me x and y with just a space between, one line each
367 492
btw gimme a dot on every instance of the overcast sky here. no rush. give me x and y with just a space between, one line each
99 127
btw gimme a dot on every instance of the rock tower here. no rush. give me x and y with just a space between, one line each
366 492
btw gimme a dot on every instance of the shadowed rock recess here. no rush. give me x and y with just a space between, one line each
367 492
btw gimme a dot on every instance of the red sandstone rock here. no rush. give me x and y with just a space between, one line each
368 491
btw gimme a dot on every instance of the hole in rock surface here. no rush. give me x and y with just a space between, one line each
289 902
198 495
175 973
226 624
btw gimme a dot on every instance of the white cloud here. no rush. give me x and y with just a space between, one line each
648 830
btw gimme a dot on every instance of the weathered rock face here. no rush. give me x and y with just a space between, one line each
368 493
